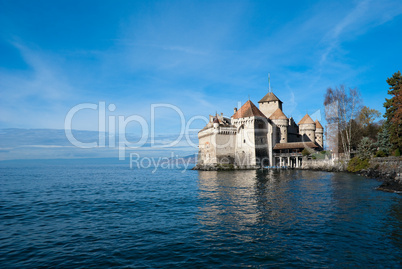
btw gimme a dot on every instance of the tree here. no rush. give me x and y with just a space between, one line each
365 149
393 112
367 116
383 143
340 109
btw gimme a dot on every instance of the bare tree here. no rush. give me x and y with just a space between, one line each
340 109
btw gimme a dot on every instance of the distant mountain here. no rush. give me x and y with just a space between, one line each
190 159
16 144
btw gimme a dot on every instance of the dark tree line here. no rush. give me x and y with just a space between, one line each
393 113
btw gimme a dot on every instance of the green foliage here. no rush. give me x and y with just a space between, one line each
383 142
359 131
366 148
320 155
380 153
393 112
397 153
356 164
305 152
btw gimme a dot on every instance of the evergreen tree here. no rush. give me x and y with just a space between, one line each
393 112
383 143
365 148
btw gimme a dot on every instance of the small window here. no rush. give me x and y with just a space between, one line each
244 141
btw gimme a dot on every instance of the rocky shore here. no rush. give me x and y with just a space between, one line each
388 170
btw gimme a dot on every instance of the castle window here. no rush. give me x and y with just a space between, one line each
244 141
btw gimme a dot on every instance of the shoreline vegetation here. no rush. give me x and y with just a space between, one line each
387 170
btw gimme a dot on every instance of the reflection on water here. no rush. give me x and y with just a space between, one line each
395 235
308 215
270 197
108 216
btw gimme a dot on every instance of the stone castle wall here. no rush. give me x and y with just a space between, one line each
324 165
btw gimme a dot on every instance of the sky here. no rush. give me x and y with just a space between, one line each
200 57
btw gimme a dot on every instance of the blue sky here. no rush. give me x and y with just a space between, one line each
201 56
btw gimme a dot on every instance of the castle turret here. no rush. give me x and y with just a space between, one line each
269 104
216 122
319 134
307 129
281 121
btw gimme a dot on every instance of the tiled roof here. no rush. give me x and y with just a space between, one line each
278 115
248 110
295 145
306 120
318 125
269 97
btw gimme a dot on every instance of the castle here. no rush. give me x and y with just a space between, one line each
257 137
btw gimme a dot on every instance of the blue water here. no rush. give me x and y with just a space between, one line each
102 216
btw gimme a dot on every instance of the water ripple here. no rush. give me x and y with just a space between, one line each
106 216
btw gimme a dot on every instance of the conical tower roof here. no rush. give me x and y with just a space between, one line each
269 97
278 115
318 125
248 110
306 120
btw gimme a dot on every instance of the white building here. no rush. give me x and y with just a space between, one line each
255 137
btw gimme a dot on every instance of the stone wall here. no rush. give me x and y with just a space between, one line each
324 164
389 170
389 167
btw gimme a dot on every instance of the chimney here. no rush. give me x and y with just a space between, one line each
235 109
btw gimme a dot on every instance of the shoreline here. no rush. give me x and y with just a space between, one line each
387 170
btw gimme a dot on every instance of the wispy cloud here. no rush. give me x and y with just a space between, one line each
202 57
32 97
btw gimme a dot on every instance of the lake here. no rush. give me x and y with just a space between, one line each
82 215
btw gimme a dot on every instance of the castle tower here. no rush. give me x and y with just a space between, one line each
269 104
251 137
281 122
307 129
319 134
217 141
